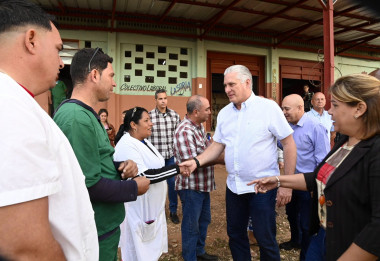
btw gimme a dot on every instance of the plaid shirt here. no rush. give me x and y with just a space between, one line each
164 125
189 141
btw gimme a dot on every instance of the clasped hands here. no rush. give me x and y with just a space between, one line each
184 170
129 169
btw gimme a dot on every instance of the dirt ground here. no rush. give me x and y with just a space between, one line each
217 239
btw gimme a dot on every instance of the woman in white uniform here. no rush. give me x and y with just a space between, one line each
144 230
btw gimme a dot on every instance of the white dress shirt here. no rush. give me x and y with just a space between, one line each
249 136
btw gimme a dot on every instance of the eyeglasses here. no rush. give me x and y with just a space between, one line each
89 63
133 112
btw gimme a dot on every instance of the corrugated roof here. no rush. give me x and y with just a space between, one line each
273 21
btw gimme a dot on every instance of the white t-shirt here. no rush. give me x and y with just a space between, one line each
144 235
250 135
37 161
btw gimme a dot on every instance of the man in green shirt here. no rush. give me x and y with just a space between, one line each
58 94
92 75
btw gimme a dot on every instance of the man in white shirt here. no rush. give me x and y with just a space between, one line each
45 210
247 130
318 111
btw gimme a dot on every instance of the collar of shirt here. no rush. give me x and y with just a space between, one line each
246 103
198 126
166 113
300 122
316 114
31 94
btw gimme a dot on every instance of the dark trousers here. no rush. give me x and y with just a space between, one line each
317 247
261 208
172 193
298 211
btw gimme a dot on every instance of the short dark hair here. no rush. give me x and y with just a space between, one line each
134 115
16 13
194 103
81 61
159 91
103 110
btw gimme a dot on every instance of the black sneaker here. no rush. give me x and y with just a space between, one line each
206 257
289 245
174 218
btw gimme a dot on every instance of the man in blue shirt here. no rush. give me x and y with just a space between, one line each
313 145
318 111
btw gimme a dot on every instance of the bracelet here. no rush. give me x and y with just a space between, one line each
197 162
278 181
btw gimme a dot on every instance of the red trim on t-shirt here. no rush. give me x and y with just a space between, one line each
31 94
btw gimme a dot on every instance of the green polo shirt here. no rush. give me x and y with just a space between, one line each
58 94
92 148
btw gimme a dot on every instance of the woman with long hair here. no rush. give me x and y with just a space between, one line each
103 115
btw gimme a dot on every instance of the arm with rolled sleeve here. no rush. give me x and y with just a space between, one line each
84 141
280 128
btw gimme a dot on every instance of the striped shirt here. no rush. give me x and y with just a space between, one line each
189 141
164 125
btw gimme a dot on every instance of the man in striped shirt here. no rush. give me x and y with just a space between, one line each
165 121
189 141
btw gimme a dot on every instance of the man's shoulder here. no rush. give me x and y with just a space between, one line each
326 114
226 109
310 120
311 113
71 112
184 126
313 124
172 112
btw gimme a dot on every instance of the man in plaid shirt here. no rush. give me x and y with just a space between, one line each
165 121
189 141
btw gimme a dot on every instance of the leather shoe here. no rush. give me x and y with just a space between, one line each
174 218
206 257
289 245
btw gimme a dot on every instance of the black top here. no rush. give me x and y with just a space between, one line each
352 200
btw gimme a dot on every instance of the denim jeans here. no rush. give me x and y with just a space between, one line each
298 211
172 193
196 218
317 247
261 208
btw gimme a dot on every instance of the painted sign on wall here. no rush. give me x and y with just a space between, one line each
148 68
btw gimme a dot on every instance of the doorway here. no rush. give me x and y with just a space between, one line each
216 65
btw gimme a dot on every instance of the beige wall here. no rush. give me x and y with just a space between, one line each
111 42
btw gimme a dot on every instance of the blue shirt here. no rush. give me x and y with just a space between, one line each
249 136
312 143
325 119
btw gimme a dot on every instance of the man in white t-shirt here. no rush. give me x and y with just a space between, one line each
247 130
45 210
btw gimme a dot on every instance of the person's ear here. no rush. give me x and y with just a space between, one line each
94 75
361 108
133 125
30 40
